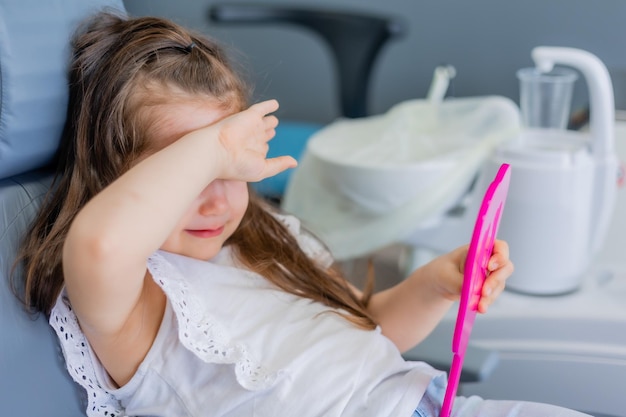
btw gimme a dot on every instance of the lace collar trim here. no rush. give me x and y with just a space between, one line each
202 334
100 402
199 333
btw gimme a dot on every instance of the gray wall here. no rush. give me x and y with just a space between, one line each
486 40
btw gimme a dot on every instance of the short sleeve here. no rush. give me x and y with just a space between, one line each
310 244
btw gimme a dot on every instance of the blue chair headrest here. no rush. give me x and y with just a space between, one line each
34 52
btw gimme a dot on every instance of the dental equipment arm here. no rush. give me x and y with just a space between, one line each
596 75
602 128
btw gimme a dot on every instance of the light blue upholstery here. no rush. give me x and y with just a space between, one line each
33 56
34 52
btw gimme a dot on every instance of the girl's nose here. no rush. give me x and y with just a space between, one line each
214 199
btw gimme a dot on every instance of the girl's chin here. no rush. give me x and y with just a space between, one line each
202 254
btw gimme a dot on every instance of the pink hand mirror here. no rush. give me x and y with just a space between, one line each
474 275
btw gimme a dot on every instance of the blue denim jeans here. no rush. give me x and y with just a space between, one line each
430 406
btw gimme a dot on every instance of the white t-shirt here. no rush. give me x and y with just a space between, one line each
232 344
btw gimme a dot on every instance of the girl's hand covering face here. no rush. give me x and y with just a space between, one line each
243 137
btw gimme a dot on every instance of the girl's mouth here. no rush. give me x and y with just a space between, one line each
205 233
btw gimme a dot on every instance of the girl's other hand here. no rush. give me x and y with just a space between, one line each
450 268
244 138
499 270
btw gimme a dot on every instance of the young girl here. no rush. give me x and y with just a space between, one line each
175 292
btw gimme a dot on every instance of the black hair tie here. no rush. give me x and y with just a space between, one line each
190 47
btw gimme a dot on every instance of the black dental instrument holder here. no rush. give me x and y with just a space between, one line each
355 39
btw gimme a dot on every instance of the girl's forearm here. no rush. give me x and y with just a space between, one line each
409 311
136 213
109 241
105 252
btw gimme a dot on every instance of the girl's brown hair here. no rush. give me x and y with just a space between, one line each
116 62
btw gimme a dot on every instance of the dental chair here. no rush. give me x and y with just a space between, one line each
34 51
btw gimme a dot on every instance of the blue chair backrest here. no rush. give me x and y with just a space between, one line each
34 53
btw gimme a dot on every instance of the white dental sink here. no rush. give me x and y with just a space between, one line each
380 163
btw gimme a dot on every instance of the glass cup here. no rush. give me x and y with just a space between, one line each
546 97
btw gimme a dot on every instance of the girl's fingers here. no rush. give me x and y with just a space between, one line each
500 256
500 268
501 246
492 289
265 108
271 122
277 165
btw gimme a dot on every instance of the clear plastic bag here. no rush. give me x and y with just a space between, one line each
365 183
